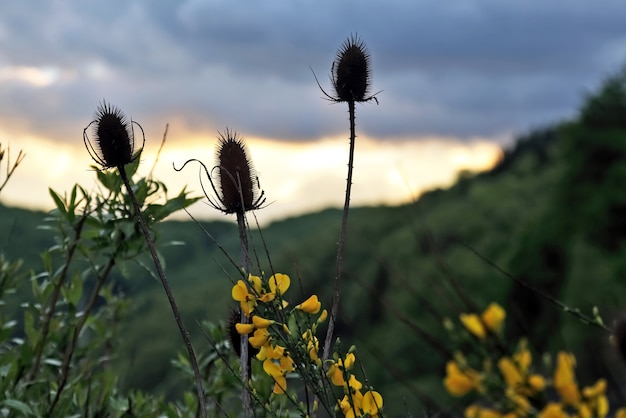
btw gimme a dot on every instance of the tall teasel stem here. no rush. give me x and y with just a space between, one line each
351 82
237 191
115 146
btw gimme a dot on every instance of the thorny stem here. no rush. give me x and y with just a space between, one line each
69 353
245 372
168 291
342 239
45 328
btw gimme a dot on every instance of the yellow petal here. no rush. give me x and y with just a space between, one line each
564 379
257 285
350 359
537 382
510 372
280 384
372 402
493 317
240 292
473 325
272 368
322 317
279 283
458 382
596 390
244 328
553 410
311 306
336 375
261 322
260 338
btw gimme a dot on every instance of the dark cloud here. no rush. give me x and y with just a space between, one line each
459 68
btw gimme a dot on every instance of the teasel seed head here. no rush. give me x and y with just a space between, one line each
238 184
351 71
114 137
235 338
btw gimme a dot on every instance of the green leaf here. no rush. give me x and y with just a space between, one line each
29 328
75 291
18 406
110 179
58 202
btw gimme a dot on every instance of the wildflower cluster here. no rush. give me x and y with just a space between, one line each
354 403
513 388
272 346
287 343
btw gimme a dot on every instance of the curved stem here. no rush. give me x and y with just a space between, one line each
168 291
342 239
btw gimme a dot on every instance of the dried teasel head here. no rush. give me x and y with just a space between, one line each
238 184
113 135
351 71
235 337
236 188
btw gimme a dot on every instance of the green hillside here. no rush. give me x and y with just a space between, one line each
552 213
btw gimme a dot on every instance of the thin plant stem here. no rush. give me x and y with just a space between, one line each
10 167
45 328
342 239
69 353
168 291
245 259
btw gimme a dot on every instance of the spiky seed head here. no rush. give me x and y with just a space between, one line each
238 187
113 136
235 338
351 71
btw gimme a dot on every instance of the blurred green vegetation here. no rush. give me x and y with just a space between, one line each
552 213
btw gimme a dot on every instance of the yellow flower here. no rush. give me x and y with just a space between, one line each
260 338
475 411
246 300
474 325
536 382
261 322
311 306
460 382
348 409
553 410
564 379
335 374
372 403
620 413
349 363
491 320
510 372
322 317
595 400
279 283
244 328
493 317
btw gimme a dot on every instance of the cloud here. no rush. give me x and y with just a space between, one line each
453 68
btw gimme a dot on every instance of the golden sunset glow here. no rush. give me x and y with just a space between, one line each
296 177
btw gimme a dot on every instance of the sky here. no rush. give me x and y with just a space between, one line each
458 80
